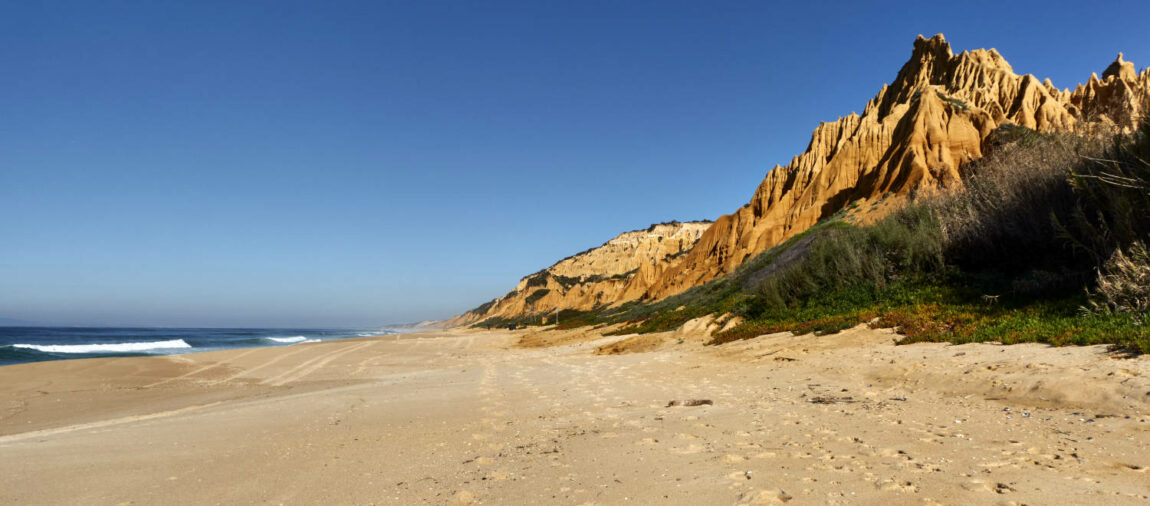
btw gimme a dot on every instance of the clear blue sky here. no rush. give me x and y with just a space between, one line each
347 164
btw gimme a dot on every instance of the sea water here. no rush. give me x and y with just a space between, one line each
34 344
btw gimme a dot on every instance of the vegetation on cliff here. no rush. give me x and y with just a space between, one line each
1045 242
917 136
965 203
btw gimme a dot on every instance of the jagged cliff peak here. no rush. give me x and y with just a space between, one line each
1121 69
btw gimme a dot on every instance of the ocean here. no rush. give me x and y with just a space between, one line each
34 344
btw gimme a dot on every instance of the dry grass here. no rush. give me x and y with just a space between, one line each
1124 283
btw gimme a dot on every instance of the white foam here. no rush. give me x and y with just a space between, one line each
106 348
295 339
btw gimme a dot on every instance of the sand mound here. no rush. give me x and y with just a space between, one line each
640 343
546 337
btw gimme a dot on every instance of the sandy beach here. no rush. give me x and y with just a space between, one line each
501 417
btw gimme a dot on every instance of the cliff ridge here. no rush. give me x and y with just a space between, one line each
913 138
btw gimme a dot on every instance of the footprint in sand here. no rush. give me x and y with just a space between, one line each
464 497
499 475
694 448
772 496
738 476
985 486
904 487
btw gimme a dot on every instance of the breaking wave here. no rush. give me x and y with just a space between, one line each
293 339
106 347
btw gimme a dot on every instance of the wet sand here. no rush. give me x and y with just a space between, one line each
465 416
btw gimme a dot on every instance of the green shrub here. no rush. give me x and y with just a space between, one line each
537 279
865 259
536 295
1012 214
954 102
483 308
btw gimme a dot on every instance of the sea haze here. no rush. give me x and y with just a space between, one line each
34 344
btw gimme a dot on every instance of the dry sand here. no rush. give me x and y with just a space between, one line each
463 416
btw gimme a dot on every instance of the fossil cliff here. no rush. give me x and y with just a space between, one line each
596 276
913 137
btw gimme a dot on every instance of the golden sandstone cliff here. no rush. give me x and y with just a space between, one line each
913 137
596 276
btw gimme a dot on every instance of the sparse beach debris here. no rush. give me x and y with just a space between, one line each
691 402
828 399
1003 488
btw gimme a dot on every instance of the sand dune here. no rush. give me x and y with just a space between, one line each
460 416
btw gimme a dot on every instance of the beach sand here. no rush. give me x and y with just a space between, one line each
474 417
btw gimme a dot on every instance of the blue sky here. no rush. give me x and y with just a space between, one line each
359 163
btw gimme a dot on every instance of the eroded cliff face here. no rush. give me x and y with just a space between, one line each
912 138
594 277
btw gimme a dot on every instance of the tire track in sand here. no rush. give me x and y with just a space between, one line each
11 438
300 371
200 370
277 358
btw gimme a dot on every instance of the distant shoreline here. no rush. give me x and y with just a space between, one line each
35 344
